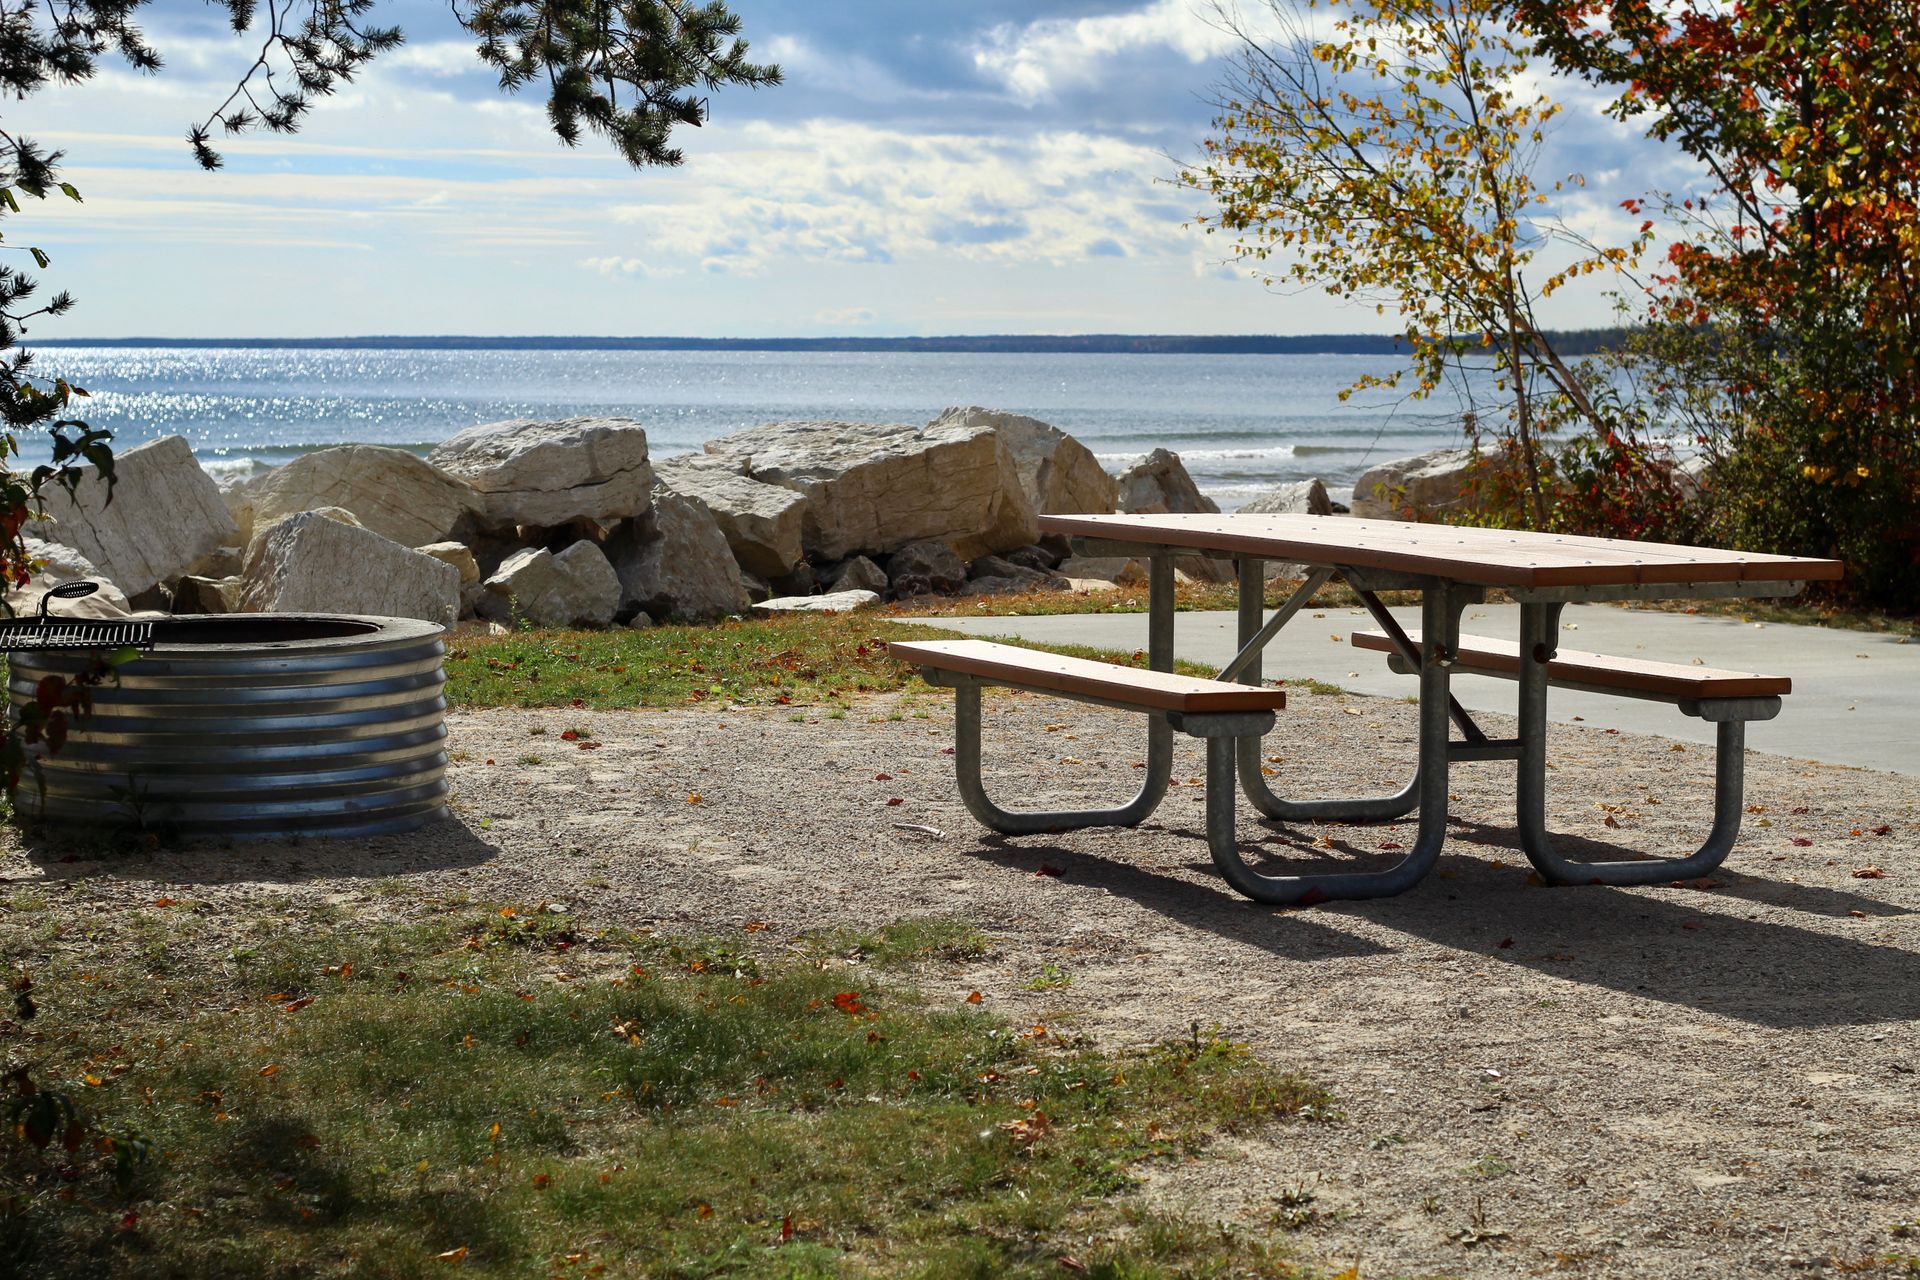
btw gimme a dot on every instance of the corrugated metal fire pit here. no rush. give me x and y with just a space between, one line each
254 726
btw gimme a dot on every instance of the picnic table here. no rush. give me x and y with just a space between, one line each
1450 568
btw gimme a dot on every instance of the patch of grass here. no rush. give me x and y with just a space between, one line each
905 943
1050 978
803 660
809 658
515 1093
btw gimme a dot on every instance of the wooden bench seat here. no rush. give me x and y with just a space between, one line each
1084 678
1599 672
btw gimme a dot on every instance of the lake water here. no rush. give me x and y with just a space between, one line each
1241 423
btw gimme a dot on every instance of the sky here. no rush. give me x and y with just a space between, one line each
930 167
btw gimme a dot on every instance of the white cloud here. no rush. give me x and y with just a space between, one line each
1038 59
848 193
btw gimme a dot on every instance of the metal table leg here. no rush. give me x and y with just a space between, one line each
1159 764
1539 633
1247 750
1440 607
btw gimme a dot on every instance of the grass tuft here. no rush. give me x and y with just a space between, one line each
506 1092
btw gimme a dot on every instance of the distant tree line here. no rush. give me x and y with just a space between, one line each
1572 341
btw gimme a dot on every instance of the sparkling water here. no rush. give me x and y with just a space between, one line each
1241 423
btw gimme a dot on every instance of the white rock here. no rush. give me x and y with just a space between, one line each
390 491
457 554
64 564
547 474
166 513
1158 484
312 564
874 487
1059 475
837 602
1423 485
576 588
1297 498
761 522
678 565
256 546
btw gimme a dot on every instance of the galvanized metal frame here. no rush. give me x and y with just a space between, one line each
1441 603
1159 764
1539 633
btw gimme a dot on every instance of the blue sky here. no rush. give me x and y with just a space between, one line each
930 167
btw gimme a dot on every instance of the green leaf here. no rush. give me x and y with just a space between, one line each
73 192
6 198
40 256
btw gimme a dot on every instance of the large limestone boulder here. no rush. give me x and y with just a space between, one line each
575 588
64 564
1298 498
872 488
547 474
1418 487
390 491
1158 484
166 513
257 546
761 522
1059 475
312 564
680 567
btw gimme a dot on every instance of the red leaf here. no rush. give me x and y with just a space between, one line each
1048 870
1801 842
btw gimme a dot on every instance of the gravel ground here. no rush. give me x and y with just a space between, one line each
1701 1081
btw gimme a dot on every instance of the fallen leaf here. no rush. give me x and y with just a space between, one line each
1869 873
973 997
163 902
883 777
694 798
272 1068
894 801
1883 829
452 1255
294 1006
1693 924
541 1181
1801 842
1048 870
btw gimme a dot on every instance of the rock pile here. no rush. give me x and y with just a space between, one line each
572 524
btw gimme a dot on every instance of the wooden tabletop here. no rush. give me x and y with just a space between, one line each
1484 557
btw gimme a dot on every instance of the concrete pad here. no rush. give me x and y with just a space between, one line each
1855 700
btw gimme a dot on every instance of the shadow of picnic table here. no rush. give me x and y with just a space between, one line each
1707 950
